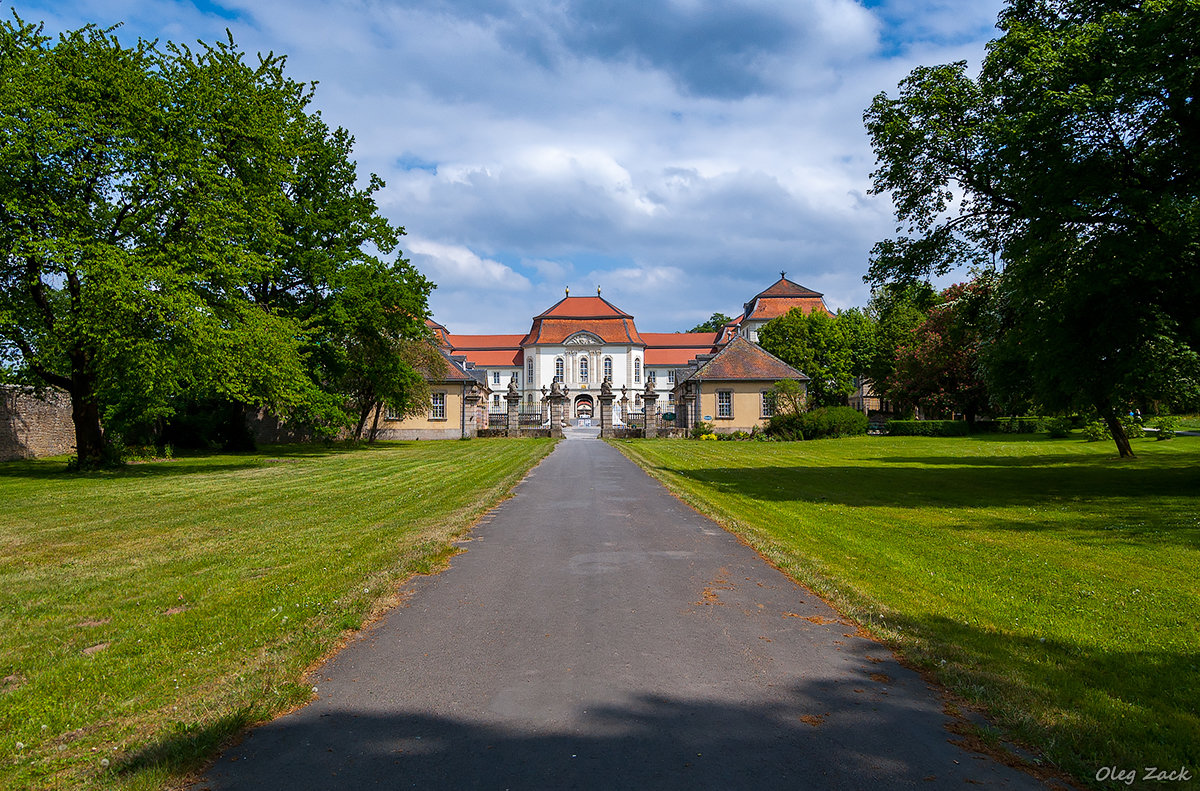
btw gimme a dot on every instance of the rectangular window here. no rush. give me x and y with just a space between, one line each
437 409
496 401
495 377
391 414
724 404
671 376
768 404
671 397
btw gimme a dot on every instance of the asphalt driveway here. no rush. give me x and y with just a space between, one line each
599 634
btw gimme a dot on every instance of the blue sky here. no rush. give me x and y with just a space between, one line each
677 153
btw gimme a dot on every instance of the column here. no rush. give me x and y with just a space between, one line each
471 396
649 400
513 397
606 398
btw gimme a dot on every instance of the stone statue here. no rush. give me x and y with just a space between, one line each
512 386
555 389
606 386
649 388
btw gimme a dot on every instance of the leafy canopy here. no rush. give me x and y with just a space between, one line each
1071 169
176 223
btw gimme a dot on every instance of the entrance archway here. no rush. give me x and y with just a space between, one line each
584 406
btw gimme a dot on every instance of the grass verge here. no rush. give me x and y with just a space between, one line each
1046 581
148 614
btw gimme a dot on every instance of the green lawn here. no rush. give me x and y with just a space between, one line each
149 613
1045 580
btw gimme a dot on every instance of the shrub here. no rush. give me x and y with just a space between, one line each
1024 424
834 421
1096 431
700 429
927 428
786 426
1166 428
1133 427
1059 427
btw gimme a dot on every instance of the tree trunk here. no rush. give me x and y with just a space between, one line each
1118 434
362 421
375 423
85 414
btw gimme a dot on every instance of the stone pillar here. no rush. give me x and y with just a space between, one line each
513 397
649 400
689 407
606 398
471 396
545 405
557 401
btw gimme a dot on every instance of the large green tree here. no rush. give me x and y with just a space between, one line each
938 367
169 223
831 350
1070 168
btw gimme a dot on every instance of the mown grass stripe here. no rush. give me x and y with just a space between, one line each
1043 579
215 581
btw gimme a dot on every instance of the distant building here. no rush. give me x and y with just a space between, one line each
579 341
731 389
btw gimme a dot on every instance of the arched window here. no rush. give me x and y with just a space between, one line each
583 369
607 367
558 369
529 372
637 370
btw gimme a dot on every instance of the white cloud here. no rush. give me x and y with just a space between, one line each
693 147
458 267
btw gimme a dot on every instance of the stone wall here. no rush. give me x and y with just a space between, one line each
523 432
31 426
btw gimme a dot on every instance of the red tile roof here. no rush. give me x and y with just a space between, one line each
677 348
485 341
583 308
488 350
672 339
782 296
786 288
741 360
557 330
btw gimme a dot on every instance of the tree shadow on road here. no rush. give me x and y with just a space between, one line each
817 735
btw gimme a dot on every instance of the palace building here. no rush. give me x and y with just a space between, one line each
578 342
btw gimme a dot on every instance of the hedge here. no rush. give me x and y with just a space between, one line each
927 428
837 421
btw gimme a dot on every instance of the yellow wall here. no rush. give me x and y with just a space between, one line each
452 425
747 405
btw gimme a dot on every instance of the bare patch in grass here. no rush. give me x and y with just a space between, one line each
95 649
